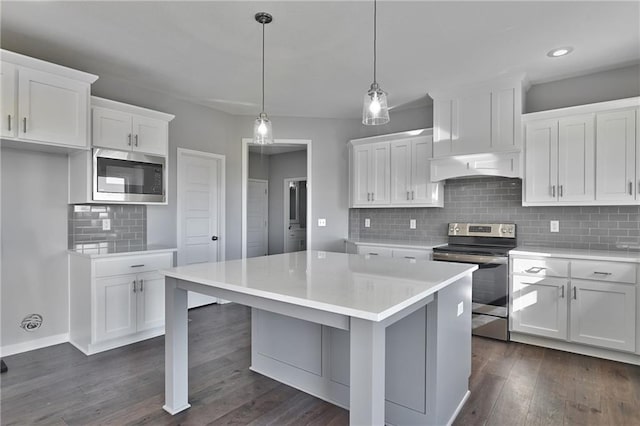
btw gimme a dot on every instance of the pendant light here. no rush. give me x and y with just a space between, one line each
262 130
375 110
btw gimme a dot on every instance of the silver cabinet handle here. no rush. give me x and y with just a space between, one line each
136 138
410 257
630 188
24 125
9 122
561 190
553 191
129 141
407 195
141 285
368 196
373 254
373 196
535 269
562 292
134 286
602 273
412 195
138 266
575 294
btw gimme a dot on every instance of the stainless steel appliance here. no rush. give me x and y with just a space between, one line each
128 176
488 246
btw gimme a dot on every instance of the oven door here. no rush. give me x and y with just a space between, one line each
490 292
128 176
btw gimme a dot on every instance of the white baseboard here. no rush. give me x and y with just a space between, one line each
31 345
459 408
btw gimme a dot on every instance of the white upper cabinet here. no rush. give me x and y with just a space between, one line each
617 156
559 159
585 155
44 103
129 128
393 171
478 120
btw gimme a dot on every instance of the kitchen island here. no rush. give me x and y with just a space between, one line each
388 339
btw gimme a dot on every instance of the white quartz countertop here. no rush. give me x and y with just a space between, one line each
425 245
104 251
346 284
608 255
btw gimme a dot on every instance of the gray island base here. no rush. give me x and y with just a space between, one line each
387 339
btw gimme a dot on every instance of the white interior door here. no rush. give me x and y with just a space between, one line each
257 217
200 207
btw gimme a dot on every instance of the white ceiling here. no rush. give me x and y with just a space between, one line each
319 54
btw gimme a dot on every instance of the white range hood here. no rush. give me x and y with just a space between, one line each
506 164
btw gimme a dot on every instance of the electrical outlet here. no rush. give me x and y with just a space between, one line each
322 222
460 308
106 224
554 226
367 223
412 224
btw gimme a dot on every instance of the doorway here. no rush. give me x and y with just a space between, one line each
285 159
295 214
200 212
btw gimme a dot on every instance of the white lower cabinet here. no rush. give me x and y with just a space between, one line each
589 302
116 300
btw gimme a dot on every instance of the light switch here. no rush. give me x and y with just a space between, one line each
367 223
412 224
460 308
106 224
554 226
322 222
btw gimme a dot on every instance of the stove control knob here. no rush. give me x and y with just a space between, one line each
457 229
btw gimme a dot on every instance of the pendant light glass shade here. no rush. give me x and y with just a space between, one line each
262 130
375 110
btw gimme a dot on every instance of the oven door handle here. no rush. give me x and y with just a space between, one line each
469 258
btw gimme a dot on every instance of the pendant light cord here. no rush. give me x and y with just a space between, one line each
263 66
375 19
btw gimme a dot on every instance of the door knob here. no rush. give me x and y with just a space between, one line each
214 238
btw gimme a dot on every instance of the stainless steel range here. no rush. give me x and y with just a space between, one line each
488 246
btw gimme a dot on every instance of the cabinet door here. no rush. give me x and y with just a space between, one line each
150 300
541 161
603 314
360 163
8 105
503 120
615 156
423 190
111 129
375 251
150 136
539 306
401 159
576 163
52 108
380 174
115 313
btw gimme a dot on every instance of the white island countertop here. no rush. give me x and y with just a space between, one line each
367 288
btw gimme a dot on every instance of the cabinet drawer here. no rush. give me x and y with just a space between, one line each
375 251
604 271
412 254
541 267
132 264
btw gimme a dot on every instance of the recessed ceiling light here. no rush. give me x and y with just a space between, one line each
560 51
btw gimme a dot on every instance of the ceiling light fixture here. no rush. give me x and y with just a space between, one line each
560 51
262 130
375 110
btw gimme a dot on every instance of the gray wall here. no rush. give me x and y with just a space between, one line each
34 244
496 200
597 87
287 165
258 166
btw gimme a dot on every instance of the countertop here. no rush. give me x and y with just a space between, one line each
104 250
346 284
608 255
427 244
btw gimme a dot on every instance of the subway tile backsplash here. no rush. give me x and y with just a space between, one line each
128 226
496 200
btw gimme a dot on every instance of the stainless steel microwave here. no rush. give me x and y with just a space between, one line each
128 176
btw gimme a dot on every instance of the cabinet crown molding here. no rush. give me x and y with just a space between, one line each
132 109
633 102
390 137
40 65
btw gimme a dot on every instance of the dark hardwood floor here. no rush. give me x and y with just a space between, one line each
511 384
